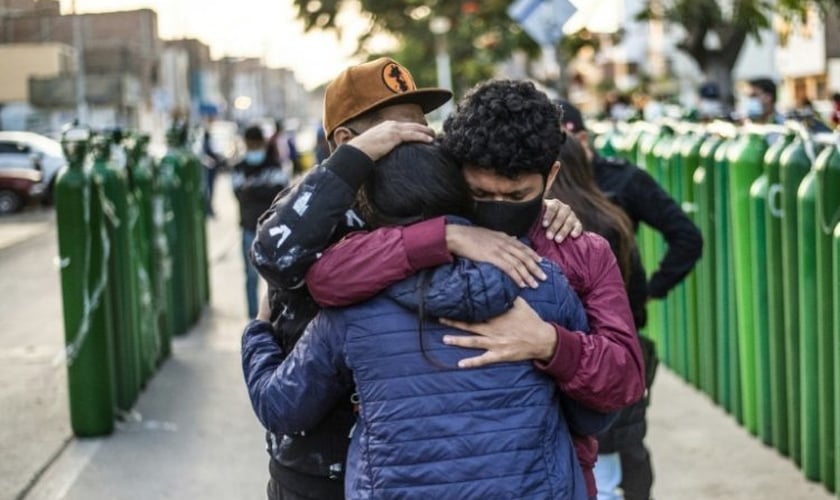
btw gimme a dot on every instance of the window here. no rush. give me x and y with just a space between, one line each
10 147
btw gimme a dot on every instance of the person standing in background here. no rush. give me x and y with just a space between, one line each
626 461
257 180
761 102
282 149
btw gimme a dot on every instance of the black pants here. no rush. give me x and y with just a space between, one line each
636 472
636 467
286 484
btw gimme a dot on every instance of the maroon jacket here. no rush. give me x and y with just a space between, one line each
602 370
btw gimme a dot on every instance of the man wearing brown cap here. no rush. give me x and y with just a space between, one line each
368 110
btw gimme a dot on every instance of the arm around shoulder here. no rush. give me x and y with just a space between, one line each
602 370
655 207
365 263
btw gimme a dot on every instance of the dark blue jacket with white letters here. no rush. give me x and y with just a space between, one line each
425 428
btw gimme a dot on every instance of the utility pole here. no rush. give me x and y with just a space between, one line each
440 27
78 44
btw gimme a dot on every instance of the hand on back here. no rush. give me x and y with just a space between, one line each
518 335
380 139
560 221
479 244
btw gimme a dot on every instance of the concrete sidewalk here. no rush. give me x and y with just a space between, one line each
700 452
193 434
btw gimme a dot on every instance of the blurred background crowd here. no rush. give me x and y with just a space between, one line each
143 64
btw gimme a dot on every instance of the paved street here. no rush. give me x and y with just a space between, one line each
193 434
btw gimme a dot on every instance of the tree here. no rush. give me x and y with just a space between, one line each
731 22
482 33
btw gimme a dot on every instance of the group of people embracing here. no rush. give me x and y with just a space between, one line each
437 326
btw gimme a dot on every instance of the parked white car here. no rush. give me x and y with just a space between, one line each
21 150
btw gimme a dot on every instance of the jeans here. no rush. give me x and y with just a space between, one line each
209 184
631 470
251 276
608 476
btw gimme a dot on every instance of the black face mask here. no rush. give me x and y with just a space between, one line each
513 218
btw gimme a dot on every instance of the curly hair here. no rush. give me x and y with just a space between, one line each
506 126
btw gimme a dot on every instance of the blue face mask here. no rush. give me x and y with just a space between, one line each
754 107
255 158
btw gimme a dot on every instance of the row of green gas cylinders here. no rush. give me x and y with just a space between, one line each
132 250
756 325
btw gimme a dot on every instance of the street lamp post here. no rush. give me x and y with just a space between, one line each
440 26
78 44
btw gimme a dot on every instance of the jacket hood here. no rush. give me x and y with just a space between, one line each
463 290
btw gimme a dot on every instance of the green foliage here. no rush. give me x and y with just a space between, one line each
731 20
481 35
749 17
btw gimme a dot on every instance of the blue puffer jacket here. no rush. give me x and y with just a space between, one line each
425 428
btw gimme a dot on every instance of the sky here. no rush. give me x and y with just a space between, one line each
252 28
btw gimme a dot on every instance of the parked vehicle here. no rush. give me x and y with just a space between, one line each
19 187
27 150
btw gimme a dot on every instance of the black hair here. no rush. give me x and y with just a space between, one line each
766 85
414 182
575 185
506 126
254 133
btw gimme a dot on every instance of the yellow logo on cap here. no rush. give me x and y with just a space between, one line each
397 78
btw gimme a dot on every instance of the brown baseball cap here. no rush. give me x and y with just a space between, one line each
371 85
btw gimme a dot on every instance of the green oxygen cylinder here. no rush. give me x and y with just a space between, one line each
140 185
185 219
83 254
835 280
758 235
827 177
192 190
690 154
195 189
623 144
728 380
146 340
706 268
793 165
178 235
631 145
650 242
659 310
110 176
604 145
745 166
775 300
667 167
167 273
808 359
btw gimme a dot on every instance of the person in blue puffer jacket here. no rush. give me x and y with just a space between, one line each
425 428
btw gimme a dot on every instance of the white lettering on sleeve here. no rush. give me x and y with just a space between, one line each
283 232
302 203
353 220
